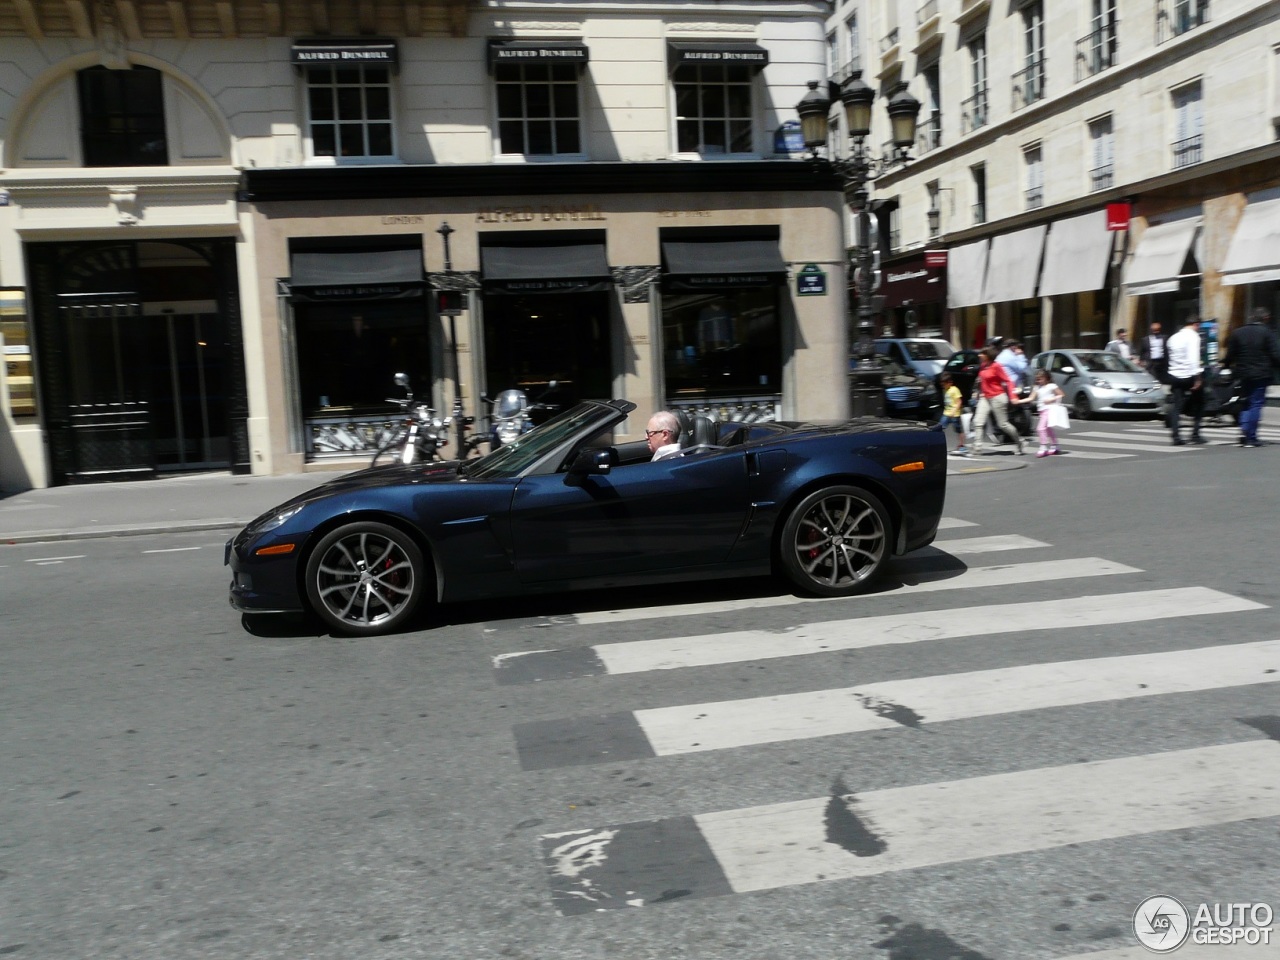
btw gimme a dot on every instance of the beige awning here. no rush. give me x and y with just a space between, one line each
1158 262
1076 254
1014 265
966 268
1254 254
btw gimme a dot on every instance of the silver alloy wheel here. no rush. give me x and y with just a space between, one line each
365 578
836 540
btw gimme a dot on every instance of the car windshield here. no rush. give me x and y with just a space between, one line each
1103 361
928 349
514 458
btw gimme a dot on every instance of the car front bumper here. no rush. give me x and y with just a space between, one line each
260 585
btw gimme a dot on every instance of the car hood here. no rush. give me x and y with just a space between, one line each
387 475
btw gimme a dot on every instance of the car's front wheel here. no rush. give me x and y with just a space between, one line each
365 578
1081 407
835 541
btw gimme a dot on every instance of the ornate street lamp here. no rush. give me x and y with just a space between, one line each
857 170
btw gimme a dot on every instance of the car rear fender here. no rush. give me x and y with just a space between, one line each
376 516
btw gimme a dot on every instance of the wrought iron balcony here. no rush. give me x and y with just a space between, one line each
1176 17
1095 53
1028 85
929 133
973 112
846 70
1034 197
1188 151
926 12
980 213
888 41
1102 178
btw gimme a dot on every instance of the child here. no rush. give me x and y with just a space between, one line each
951 409
1047 395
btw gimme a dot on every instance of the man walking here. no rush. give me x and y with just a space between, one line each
1151 351
1186 380
1120 345
1253 354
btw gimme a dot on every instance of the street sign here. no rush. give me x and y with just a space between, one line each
1118 216
811 281
935 258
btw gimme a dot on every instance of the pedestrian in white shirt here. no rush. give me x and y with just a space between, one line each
1186 379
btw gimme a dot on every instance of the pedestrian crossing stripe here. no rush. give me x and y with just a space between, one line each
916 702
640 656
1127 445
971 545
851 834
1094 455
1137 442
951 523
913 580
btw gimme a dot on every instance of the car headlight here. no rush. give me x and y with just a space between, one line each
1099 382
279 519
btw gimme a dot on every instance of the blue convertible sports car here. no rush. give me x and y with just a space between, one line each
566 508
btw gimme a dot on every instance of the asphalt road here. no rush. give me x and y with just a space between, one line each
1064 707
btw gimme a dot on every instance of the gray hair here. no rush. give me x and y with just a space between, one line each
666 420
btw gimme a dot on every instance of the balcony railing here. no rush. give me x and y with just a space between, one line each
973 112
888 41
1176 17
1095 53
1034 197
926 12
980 213
929 134
846 70
1102 178
1028 85
1188 151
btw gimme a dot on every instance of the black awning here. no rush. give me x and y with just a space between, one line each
722 264
344 52
537 51
320 275
752 55
580 268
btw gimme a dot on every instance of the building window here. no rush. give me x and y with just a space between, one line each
1176 17
854 40
1188 134
122 117
1028 83
538 110
1102 172
1097 51
713 109
979 193
833 54
929 136
973 112
349 112
725 343
1033 162
933 216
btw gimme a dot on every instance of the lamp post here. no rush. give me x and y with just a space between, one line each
857 170
449 304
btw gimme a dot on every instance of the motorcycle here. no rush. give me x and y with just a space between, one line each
421 433
512 414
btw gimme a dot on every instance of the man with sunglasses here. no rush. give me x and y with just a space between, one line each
663 435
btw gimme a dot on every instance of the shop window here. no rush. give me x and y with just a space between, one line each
122 117
725 344
538 109
15 340
713 109
349 112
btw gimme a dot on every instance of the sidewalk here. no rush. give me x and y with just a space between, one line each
209 501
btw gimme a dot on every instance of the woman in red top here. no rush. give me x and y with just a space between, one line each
995 392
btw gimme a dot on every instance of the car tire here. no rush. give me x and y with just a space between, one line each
365 578
1080 407
835 541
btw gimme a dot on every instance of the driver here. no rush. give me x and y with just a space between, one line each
663 435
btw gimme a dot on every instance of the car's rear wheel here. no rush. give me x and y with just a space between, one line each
835 541
365 578
1080 407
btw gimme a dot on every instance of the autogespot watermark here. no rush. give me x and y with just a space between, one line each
1163 924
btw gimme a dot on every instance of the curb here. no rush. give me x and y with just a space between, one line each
103 533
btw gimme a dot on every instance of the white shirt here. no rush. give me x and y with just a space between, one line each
1183 349
1121 347
666 450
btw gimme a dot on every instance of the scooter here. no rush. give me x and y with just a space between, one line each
422 433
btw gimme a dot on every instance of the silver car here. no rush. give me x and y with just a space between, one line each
1097 381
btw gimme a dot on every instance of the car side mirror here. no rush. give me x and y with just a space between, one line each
589 463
